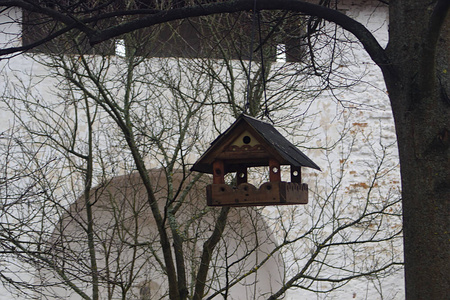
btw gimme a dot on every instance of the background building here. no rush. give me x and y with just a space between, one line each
344 120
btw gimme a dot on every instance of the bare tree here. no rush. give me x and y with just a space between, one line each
414 68
128 116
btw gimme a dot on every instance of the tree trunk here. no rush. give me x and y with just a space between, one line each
419 92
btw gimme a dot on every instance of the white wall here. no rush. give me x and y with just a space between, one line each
366 109
363 107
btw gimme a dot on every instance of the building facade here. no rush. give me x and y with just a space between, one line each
342 121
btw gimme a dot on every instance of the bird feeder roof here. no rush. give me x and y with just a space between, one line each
269 144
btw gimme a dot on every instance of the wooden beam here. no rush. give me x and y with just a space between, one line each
241 175
218 172
296 174
275 171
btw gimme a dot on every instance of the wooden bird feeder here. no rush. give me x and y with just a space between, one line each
253 143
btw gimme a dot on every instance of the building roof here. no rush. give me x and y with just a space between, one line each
274 142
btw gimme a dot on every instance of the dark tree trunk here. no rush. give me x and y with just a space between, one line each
419 89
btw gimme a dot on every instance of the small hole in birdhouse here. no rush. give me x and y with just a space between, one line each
268 187
218 172
222 189
275 170
295 173
246 139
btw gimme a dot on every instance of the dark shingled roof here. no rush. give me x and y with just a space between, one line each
285 148
278 142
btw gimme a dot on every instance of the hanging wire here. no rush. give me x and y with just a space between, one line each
263 70
252 39
256 18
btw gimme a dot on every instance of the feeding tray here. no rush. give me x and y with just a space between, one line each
253 143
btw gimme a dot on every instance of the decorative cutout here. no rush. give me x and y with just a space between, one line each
245 138
246 194
245 148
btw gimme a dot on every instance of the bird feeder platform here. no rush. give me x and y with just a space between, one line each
245 194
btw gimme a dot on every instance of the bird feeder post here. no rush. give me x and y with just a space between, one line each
296 174
241 175
274 169
218 172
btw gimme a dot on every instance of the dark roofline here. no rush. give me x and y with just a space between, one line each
271 136
284 147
